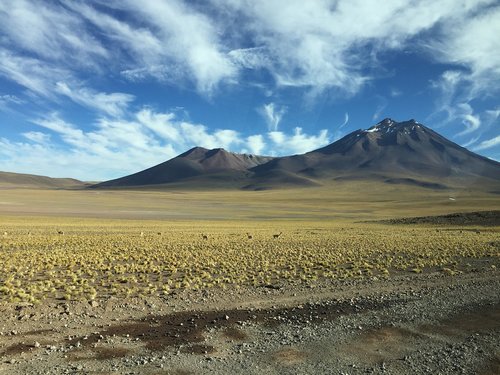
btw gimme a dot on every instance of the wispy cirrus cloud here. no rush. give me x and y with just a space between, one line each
37 137
174 42
113 104
379 110
473 45
471 122
319 45
346 120
313 45
7 101
489 143
272 114
457 109
49 31
31 73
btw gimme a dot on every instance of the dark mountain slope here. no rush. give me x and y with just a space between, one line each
193 165
405 150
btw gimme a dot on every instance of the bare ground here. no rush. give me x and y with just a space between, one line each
408 324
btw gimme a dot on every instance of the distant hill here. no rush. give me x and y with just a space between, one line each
393 152
19 180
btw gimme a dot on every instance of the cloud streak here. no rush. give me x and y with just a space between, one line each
314 45
113 104
488 143
272 114
346 120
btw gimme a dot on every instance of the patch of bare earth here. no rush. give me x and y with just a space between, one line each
409 324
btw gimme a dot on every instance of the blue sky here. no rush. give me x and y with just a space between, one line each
99 89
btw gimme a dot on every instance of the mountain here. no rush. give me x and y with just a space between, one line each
393 152
397 152
194 165
19 180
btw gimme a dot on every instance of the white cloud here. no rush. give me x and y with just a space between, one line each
322 44
316 45
166 40
251 58
174 42
456 107
346 120
395 92
30 73
492 115
272 114
200 135
54 161
37 137
297 143
53 122
49 31
256 144
162 124
488 144
144 46
7 101
379 110
4 99
471 122
470 142
113 104
474 45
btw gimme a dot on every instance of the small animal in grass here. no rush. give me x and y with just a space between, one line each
277 235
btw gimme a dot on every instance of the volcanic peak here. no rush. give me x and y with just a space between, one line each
388 125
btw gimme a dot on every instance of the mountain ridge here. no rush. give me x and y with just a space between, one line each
195 162
404 152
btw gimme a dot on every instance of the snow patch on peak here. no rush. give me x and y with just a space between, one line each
384 126
387 121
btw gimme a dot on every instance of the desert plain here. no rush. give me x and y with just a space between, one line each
337 279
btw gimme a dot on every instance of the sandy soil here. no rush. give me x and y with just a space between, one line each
408 324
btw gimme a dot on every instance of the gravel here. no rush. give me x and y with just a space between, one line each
416 324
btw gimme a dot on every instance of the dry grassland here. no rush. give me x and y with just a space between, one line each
86 259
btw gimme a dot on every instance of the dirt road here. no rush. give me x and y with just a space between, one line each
409 324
